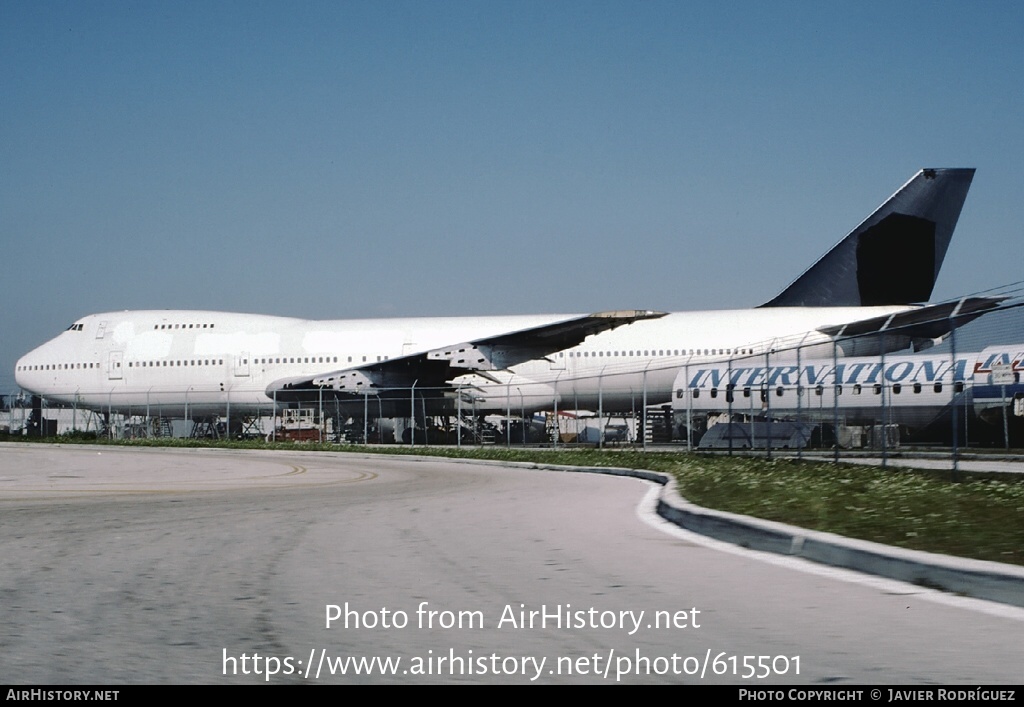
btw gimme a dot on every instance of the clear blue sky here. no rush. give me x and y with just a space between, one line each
354 159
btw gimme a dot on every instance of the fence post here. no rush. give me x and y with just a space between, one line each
689 406
554 441
412 413
643 411
835 400
728 401
885 426
952 399
800 393
768 406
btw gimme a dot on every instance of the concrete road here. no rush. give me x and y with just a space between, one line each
183 566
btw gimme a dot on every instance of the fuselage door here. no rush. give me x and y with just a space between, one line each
115 363
101 330
242 364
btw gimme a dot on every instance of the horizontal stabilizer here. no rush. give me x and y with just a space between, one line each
918 328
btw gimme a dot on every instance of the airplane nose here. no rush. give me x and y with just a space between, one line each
24 376
20 371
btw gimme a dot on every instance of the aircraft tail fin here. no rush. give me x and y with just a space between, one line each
894 256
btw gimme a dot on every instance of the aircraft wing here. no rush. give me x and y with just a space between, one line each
434 368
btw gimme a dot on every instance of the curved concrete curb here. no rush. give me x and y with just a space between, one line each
993 581
975 578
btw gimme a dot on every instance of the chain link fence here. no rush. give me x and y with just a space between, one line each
945 382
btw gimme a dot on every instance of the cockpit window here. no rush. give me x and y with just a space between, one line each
75 327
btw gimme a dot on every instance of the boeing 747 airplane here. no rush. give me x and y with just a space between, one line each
174 363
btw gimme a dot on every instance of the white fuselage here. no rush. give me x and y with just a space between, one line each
174 362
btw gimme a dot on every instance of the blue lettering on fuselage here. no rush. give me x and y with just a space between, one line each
855 370
780 375
931 372
858 372
756 377
734 377
898 371
873 375
992 360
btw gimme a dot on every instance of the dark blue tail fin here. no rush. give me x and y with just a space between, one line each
895 255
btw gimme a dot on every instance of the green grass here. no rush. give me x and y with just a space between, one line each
980 517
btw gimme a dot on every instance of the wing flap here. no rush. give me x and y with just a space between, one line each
434 368
498 353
